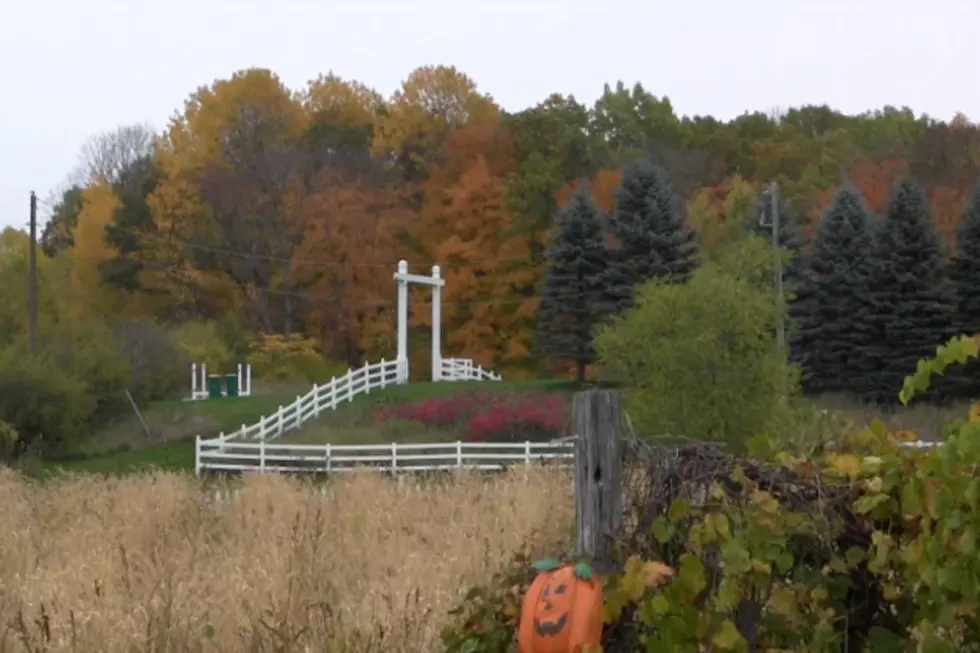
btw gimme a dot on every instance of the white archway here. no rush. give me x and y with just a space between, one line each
436 282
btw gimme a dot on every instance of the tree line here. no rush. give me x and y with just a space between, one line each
290 208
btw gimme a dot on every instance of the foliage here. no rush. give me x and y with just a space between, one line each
911 306
699 360
158 366
487 417
274 357
41 402
573 290
830 314
203 343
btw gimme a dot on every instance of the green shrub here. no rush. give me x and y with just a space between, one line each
158 366
46 406
203 343
700 359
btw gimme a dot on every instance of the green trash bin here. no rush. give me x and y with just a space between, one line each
214 386
231 382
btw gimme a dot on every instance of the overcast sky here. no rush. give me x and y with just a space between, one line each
74 68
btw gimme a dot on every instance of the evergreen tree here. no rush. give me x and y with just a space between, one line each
965 275
911 303
654 241
572 290
829 314
792 237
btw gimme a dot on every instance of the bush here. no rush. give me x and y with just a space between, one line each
158 365
700 359
46 407
488 417
298 359
203 343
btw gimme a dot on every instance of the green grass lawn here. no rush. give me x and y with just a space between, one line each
123 447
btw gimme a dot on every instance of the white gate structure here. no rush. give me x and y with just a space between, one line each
230 453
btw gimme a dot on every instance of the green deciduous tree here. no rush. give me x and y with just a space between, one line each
700 359
572 291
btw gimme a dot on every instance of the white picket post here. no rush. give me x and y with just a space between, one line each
384 371
350 386
262 456
281 416
197 456
327 461
333 392
367 378
394 457
459 455
316 400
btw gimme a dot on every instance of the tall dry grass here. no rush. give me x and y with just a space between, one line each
154 563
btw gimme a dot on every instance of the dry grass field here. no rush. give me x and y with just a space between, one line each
152 562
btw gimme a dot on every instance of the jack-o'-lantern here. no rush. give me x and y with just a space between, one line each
562 610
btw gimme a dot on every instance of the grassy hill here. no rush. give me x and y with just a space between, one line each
123 447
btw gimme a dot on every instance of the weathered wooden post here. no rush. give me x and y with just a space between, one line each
597 423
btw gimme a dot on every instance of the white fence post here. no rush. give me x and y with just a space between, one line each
384 371
459 455
197 456
367 378
327 462
350 386
262 456
281 414
316 400
394 457
333 392
527 453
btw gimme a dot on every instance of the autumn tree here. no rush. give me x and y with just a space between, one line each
237 169
58 233
653 240
431 103
830 313
573 290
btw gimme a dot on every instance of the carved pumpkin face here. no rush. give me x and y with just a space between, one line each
554 606
561 613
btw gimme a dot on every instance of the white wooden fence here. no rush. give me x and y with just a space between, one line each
461 369
226 455
360 381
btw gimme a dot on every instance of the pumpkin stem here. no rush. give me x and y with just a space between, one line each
548 564
583 571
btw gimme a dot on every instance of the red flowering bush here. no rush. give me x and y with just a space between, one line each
487 417
528 417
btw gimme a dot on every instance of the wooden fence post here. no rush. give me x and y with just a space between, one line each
597 422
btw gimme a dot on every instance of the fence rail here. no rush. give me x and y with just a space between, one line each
236 456
462 369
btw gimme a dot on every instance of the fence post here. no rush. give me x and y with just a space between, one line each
384 371
316 400
350 386
333 392
459 455
597 423
197 456
282 416
394 457
327 465
527 453
262 456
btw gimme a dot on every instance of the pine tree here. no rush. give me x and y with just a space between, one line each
965 275
829 315
654 241
792 237
911 303
572 293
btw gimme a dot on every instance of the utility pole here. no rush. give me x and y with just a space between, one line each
777 258
32 287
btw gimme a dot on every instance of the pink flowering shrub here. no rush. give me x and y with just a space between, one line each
487 417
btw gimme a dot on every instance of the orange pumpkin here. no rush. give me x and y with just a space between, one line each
561 613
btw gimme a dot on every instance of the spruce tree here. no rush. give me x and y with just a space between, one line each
654 240
965 275
572 294
830 331
912 305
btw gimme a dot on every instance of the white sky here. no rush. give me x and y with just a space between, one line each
74 68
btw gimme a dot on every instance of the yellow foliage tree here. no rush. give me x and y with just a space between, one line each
89 251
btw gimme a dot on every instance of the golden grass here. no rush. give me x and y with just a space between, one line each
154 563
